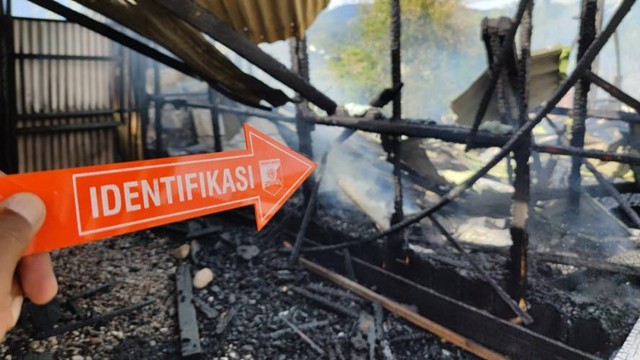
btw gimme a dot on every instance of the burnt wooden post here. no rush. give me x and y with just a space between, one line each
517 263
580 100
300 67
158 102
8 141
394 243
215 120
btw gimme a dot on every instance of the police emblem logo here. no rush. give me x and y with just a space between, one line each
271 176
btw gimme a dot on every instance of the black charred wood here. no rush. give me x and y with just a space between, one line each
326 303
585 153
187 320
412 128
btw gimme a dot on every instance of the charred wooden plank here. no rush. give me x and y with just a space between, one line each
580 100
187 321
411 128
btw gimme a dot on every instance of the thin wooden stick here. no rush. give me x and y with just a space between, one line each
304 336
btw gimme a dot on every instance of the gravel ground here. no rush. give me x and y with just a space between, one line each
254 298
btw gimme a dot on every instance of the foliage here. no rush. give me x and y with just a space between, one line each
441 54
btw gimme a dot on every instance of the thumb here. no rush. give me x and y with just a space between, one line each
21 216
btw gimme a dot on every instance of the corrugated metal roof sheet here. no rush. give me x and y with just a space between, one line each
545 77
267 20
261 20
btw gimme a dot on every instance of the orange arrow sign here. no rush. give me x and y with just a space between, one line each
97 202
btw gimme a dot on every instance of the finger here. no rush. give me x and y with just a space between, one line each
10 309
21 216
37 278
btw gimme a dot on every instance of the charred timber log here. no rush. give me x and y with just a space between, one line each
629 117
523 131
203 20
394 244
585 153
412 128
580 101
517 264
614 91
300 66
187 321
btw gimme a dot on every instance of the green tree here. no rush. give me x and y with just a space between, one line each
441 54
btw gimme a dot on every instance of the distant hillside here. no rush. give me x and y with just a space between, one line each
338 25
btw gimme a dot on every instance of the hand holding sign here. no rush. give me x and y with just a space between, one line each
92 203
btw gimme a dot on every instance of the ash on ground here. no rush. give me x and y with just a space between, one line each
253 295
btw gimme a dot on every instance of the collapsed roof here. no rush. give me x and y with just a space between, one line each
259 20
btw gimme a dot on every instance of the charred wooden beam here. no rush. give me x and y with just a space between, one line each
629 117
187 320
394 244
203 20
496 70
614 91
215 121
586 153
300 66
580 99
412 128
8 145
517 263
523 131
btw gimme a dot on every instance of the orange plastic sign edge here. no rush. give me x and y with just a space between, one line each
97 202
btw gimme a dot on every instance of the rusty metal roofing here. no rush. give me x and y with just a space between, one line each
267 20
260 20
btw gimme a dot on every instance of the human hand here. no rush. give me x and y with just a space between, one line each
21 216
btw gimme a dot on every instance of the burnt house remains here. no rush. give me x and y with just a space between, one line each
131 80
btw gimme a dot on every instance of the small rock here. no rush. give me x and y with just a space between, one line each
77 357
248 252
95 341
202 278
181 251
118 334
